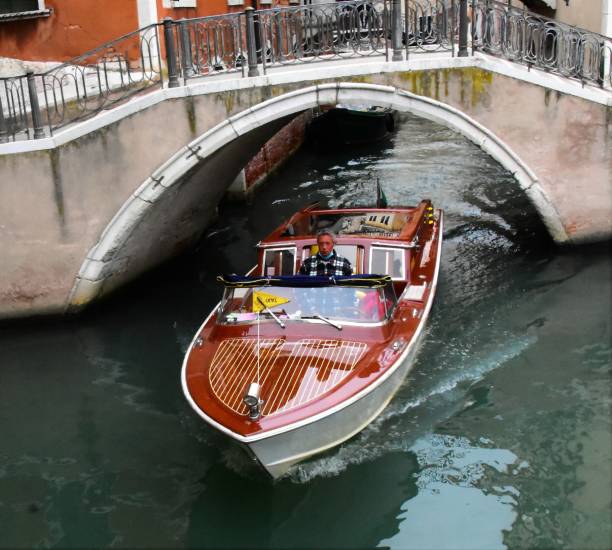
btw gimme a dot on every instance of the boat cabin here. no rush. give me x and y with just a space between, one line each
374 240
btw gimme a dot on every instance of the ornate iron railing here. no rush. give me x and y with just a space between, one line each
430 25
33 105
101 78
525 37
210 45
14 108
304 34
252 42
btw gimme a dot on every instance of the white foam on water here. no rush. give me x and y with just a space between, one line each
236 459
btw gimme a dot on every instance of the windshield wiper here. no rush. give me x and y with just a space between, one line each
325 319
268 310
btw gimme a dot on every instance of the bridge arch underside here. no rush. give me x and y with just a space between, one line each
173 206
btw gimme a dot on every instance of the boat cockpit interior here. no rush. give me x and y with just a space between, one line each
364 224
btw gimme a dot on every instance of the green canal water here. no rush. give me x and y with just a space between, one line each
500 437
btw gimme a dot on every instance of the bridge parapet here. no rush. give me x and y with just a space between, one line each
251 42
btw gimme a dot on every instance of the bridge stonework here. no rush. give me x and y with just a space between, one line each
93 208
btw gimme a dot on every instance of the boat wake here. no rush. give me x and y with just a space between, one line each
428 404
468 370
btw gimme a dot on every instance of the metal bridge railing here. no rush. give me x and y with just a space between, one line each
252 42
322 32
34 105
209 45
14 107
531 39
430 26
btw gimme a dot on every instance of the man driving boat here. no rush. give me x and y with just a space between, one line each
326 261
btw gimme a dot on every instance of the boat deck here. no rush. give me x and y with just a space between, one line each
291 373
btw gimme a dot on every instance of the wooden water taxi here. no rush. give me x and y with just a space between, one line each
290 365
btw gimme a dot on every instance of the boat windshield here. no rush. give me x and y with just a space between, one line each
360 305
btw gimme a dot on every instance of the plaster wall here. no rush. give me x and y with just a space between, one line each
55 204
212 7
72 29
586 14
52 212
77 26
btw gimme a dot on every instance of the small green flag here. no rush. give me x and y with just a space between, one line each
381 199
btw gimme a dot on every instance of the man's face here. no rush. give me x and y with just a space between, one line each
326 245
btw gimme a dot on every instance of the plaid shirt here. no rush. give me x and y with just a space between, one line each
336 265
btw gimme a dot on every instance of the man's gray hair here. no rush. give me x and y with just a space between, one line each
327 232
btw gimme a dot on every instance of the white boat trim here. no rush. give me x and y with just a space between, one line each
392 244
339 406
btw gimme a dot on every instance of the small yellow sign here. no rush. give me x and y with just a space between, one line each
263 300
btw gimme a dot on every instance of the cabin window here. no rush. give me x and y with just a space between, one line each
351 252
279 261
388 261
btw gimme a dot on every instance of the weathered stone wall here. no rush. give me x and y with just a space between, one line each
56 205
565 140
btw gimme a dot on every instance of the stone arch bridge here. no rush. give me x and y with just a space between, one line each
102 201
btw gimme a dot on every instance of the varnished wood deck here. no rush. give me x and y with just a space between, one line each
291 374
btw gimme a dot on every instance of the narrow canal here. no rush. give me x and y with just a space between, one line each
500 438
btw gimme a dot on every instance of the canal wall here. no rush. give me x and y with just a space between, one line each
102 202
273 154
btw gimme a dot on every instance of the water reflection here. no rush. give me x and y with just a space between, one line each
354 510
450 470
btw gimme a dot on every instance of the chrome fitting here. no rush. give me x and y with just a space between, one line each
252 401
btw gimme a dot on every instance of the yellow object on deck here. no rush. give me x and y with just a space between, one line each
263 300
